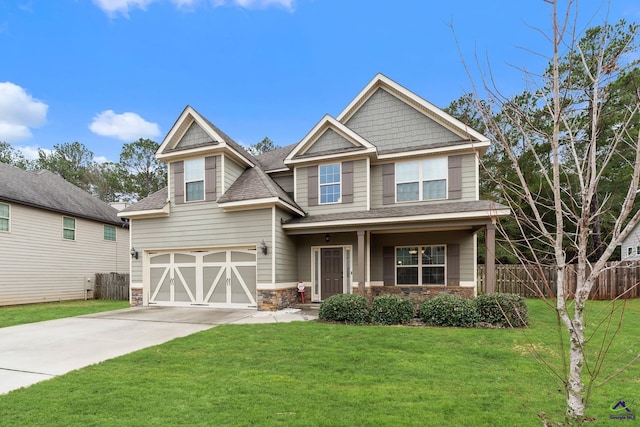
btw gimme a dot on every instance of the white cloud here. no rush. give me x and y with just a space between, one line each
30 152
261 4
19 112
122 7
126 126
114 7
100 159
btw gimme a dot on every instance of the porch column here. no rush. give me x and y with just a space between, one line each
361 263
490 258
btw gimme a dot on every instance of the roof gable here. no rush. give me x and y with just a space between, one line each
192 134
410 99
329 139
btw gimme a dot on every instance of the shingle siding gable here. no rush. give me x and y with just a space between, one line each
392 125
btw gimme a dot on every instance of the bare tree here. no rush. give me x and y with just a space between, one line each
570 150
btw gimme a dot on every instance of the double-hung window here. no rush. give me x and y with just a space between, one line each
4 217
109 232
421 180
330 183
420 265
68 228
194 180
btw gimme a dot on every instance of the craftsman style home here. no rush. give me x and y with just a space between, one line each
385 196
54 238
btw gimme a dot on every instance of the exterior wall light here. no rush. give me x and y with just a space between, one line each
134 253
327 237
263 247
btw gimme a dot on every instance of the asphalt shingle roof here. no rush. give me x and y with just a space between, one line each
153 201
46 190
402 211
274 160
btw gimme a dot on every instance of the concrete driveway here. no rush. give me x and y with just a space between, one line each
38 351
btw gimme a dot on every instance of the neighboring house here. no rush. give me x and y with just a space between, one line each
383 196
54 237
630 247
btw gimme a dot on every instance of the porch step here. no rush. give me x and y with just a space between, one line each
308 306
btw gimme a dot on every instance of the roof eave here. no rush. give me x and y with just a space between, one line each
243 205
147 213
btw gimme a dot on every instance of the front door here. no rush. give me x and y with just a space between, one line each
332 272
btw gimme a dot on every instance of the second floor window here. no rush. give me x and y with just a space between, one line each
421 180
330 183
194 180
68 228
4 217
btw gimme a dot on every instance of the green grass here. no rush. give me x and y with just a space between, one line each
315 374
30 313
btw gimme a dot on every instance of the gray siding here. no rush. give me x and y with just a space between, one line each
195 135
464 238
284 181
359 192
232 171
204 225
329 141
38 265
391 124
286 253
469 177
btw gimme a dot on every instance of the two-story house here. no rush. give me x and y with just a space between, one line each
54 238
383 196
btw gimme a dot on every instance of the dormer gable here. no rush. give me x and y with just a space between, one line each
194 136
329 139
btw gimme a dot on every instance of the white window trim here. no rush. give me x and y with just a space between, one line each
420 265
75 228
420 181
204 184
8 218
333 183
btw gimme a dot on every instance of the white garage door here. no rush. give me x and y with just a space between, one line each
214 278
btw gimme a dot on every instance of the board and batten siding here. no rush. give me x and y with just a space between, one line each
391 124
38 265
359 191
465 239
203 225
468 187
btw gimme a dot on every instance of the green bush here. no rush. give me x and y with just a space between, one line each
449 310
505 310
345 308
391 310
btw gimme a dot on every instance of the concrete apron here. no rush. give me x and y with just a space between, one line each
38 351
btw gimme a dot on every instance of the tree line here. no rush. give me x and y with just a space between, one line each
136 175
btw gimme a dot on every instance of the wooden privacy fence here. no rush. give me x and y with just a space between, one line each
618 279
113 286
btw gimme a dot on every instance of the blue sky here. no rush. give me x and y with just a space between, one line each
107 72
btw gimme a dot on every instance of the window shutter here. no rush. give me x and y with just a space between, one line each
388 266
312 185
388 183
453 264
210 178
347 182
178 181
455 177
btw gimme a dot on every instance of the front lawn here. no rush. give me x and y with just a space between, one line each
315 374
30 313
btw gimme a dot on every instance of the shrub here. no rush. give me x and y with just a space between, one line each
345 308
391 310
449 310
505 310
